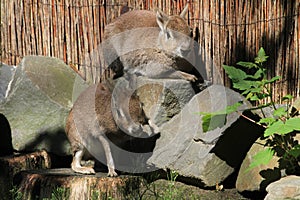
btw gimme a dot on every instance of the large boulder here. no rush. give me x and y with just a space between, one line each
37 103
163 98
211 156
6 75
257 178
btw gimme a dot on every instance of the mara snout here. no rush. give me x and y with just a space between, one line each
92 118
150 44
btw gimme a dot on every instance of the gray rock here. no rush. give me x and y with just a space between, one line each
212 156
257 178
285 188
39 99
6 76
163 98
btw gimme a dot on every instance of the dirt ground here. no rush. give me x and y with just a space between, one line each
163 189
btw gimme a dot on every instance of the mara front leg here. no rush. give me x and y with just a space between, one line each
187 76
108 155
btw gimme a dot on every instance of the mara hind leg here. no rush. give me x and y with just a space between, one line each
76 165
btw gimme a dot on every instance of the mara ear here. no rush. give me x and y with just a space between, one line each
161 20
184 11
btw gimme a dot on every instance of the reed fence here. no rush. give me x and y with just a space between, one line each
227 32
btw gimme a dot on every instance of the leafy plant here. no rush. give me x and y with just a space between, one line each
59 193
15 193
171 191
280 127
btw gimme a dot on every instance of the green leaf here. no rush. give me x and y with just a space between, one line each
235 74
275 128
283 128
261 158
211 122
293 123
258 74
261 56
254 98
249 94
272 80
267 120
281 111
233 108
243 84
248 65
295 151
287 97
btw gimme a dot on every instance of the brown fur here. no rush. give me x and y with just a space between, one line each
86 121
152 62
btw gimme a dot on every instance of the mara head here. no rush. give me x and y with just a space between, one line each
175 34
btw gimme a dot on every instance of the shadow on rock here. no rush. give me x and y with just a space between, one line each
6 147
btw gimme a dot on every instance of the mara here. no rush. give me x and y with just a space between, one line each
98 121
150 44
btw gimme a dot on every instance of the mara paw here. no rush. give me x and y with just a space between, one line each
112 173
84 170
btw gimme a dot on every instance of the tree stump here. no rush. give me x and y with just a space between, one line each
63 183
12 165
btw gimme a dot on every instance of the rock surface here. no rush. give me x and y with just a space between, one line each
212 156
163 98
6 76
285 188
6 147
39 99
259 177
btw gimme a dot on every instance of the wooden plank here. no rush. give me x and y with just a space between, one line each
68 25
297 48
223 41
59 24
39 31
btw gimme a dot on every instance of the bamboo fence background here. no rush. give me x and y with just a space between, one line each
227 31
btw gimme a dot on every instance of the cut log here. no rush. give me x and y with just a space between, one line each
12 165
66 184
